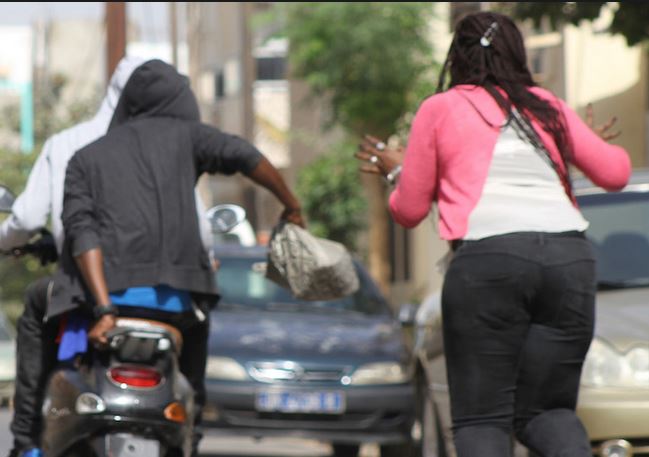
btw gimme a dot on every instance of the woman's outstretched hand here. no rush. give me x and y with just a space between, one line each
380 159
601 130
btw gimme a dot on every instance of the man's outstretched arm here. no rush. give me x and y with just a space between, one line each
219 152
266 175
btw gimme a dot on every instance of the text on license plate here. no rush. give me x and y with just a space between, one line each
301 402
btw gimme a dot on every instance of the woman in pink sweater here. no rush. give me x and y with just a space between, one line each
493 151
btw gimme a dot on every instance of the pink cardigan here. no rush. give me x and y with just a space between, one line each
450 149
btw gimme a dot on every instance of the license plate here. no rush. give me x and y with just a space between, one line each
301 402
127 445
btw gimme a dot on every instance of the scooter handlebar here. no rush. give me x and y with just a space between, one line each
43 248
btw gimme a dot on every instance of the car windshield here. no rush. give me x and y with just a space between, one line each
242 284
619 230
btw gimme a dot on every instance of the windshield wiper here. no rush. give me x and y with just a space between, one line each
622 283
284 305
313 307
229 305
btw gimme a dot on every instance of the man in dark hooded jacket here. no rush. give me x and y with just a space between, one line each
129 210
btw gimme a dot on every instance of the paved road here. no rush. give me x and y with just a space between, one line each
213 446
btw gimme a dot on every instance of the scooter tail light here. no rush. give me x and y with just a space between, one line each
135 376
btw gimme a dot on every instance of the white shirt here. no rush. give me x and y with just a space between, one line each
522 193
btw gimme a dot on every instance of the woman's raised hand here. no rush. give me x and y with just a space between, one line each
380 159
601 130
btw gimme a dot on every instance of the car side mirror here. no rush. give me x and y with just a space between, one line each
7 199
224 218
407 314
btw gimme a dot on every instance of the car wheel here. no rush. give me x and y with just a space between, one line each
398 450
345 450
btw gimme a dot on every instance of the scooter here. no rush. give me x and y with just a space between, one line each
130 399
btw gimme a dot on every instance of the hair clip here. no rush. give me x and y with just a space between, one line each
488 36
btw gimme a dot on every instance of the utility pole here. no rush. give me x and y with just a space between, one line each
115 13
173 27
248 69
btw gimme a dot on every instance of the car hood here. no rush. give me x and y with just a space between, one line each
623 317
326 338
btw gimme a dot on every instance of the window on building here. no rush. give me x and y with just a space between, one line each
271 68
219 85
537 59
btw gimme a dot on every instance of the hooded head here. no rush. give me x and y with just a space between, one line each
116 85
156 89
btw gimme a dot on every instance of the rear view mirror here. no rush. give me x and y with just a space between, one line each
224 218
7 199
408 314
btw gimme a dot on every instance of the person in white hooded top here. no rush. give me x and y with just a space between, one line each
42 199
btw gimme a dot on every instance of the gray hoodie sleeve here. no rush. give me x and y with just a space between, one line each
219 152
79 218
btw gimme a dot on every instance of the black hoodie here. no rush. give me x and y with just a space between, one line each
132 191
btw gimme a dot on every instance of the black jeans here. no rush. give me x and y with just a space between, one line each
518 317
37 357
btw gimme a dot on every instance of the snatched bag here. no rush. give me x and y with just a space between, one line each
312 268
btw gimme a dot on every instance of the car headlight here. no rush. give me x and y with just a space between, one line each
225 368
606 367
379 373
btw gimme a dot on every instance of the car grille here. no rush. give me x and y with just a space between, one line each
322 375
290 372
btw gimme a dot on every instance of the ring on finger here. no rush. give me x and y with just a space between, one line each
380 145
374 159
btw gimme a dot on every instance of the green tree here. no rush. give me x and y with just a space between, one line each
370 60
631 19
15 274
50 117
332 197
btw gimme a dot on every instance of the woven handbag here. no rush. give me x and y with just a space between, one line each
312 268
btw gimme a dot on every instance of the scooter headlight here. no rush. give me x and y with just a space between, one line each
89 403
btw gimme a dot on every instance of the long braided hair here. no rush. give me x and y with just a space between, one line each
488 51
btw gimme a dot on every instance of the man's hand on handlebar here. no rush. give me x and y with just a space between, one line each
44 249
